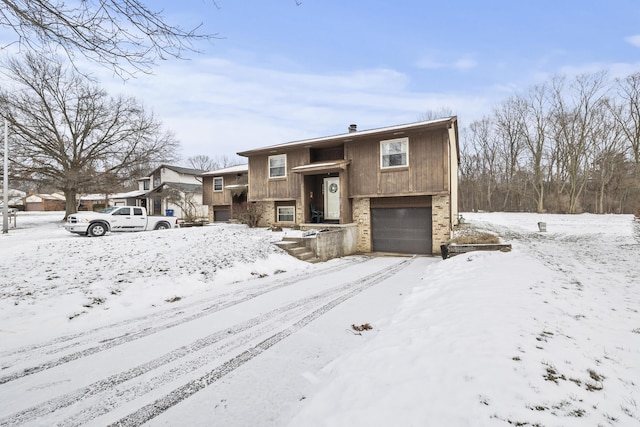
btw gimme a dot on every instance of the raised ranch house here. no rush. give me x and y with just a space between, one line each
392 189
173 189
225 192
167 190
91 202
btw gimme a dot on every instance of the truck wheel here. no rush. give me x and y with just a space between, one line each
97 230
162 226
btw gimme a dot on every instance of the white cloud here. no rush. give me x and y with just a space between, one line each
463 63
430 64
634 40
221 107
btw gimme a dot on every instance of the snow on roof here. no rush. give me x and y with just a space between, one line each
230 169
180 169
134 193
349 135
315 165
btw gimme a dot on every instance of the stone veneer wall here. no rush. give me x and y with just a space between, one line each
362 217
441 221
299 212
268 216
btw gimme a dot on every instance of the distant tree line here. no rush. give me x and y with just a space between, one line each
568 145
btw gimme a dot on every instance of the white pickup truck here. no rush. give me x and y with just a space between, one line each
117 218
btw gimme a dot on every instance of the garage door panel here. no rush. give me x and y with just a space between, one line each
221 214
401 230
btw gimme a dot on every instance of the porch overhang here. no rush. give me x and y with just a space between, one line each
237 189
322 167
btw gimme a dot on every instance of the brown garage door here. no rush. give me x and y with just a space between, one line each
221 214
401 230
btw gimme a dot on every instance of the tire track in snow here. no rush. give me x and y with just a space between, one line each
112 381
136 331
152 410
216 345
163 314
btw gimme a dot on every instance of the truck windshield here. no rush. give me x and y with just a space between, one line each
109 209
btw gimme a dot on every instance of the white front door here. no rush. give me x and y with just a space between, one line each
332 198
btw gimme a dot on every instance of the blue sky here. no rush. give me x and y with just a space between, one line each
282 72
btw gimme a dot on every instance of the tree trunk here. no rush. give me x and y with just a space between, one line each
71 204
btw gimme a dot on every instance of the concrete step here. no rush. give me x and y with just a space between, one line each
286 244
296 249
292 239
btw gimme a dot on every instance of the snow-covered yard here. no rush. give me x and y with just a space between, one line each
216 326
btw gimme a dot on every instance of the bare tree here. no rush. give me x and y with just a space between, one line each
69 134
533 121
203 162
470 172
436 114
607 154
484 142
206 163
124 35
627 116
509 140
574 123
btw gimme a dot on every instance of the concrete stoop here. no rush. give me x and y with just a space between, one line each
295 246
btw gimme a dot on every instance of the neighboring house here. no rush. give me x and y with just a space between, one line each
15 198
173 189
225 192
90 202
44 202
398 185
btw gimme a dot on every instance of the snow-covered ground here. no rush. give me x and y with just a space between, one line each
215 326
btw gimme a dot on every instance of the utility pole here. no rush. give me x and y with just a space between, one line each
5 188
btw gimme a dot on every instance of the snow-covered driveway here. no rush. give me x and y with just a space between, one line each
196 357
216 326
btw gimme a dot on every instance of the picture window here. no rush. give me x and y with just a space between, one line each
394 153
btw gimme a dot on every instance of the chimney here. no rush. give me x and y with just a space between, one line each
353 128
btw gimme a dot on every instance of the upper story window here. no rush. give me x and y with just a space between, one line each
394 153
278 166
218 184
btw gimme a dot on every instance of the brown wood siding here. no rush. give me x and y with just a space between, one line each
263 188
207 190
426 173
224 197
364 166
221 197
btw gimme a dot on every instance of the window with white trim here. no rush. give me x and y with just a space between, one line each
394 153
286 213
278 166
218 184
